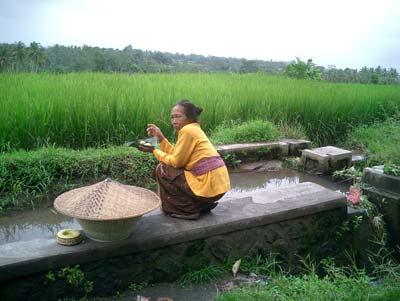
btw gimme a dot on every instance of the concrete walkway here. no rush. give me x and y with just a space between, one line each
156 231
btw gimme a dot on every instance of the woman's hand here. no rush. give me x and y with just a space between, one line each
153 130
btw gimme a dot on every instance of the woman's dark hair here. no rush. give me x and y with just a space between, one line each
191 111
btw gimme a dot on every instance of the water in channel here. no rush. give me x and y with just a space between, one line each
46 222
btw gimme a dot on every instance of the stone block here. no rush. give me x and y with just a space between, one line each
296 146
314 161
326 159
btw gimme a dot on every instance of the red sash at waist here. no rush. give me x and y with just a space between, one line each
207 164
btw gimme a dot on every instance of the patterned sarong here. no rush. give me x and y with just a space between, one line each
176 195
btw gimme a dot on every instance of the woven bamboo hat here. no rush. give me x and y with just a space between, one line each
107 200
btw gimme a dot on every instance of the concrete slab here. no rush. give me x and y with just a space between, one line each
157 231
246 147
328 158
333 151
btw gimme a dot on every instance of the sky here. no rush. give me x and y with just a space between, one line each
343 33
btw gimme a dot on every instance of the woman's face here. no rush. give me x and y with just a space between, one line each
179 118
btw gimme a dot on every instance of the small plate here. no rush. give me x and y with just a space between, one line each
147 142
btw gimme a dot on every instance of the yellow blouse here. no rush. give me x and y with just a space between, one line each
193 145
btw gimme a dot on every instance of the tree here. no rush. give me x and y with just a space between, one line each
19 55
249 66
37 56
6 57
313 72
99 61
302 70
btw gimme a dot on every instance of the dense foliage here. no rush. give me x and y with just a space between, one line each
302 70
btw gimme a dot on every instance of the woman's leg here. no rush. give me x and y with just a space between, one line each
177 197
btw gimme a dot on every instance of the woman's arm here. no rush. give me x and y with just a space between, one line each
182 152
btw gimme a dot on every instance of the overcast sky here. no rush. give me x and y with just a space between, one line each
344 33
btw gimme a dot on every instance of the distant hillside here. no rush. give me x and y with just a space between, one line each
58 58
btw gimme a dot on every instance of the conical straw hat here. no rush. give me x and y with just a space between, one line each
107 200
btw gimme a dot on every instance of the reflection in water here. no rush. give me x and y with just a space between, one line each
245 182
250 181
39 223
46 222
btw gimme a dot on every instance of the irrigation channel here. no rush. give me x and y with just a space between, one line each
246 180
263 176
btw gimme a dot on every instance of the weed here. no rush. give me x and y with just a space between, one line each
231 160
202 275
349 226
136 287
293 163
351 174
50 277
391 169
75 277
266 265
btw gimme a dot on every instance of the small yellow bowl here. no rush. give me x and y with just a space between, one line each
69 237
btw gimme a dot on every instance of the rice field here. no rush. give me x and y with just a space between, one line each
82 110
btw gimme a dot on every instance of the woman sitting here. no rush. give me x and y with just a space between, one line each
191 175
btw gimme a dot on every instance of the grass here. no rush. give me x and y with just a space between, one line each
324 281
94 110
381 141
349 282
314 288
202 275
335 283
248 131
31 178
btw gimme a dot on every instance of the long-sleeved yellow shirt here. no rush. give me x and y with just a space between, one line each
192 146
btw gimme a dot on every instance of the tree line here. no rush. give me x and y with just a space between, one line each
61 59
18 57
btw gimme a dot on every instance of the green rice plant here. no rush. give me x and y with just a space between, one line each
83 110
248 131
